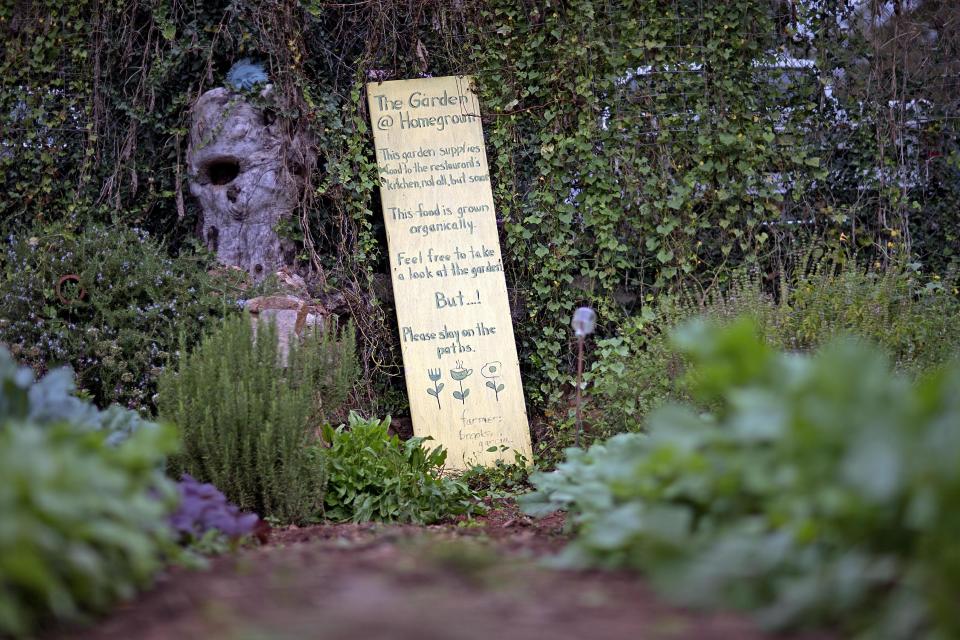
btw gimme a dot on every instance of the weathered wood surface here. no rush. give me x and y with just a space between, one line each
460 358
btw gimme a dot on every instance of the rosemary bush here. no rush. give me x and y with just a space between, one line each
108 301
247 420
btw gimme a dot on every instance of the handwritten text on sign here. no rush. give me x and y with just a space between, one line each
459 354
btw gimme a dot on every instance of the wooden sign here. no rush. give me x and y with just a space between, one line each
459 354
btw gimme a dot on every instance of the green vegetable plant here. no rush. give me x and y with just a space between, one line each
373 475
820 490
84 520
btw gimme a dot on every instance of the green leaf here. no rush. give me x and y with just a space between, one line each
664 255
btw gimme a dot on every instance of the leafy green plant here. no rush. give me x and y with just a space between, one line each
247 419
52 399
502 479
912 318
821 490
634 372
376 476
84 521
109 302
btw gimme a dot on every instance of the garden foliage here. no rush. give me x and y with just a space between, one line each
502 479
911 317
821 490
84 522
376 476
635 147
246 418
107 301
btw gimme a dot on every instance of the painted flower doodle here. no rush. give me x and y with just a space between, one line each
435 375
460 374
491 371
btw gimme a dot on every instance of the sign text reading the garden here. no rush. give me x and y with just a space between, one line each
459 355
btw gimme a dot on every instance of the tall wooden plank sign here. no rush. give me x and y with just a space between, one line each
459 354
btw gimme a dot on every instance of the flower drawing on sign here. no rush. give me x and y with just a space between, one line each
491 371
435 375
460 374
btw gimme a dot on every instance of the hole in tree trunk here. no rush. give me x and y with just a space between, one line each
223 171
213 238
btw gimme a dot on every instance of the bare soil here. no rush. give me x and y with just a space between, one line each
472 579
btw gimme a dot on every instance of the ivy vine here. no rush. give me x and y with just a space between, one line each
636 147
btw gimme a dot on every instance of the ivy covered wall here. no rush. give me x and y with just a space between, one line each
637 147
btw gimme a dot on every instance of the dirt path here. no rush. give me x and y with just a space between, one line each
471 580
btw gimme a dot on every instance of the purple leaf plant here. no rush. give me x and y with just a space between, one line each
203 507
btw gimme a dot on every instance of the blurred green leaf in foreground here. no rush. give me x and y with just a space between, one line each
818 490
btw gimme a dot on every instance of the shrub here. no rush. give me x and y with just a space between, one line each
914 321
633 373
51 400
502 479
822 490
375 476
84 523
119 314
247 420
